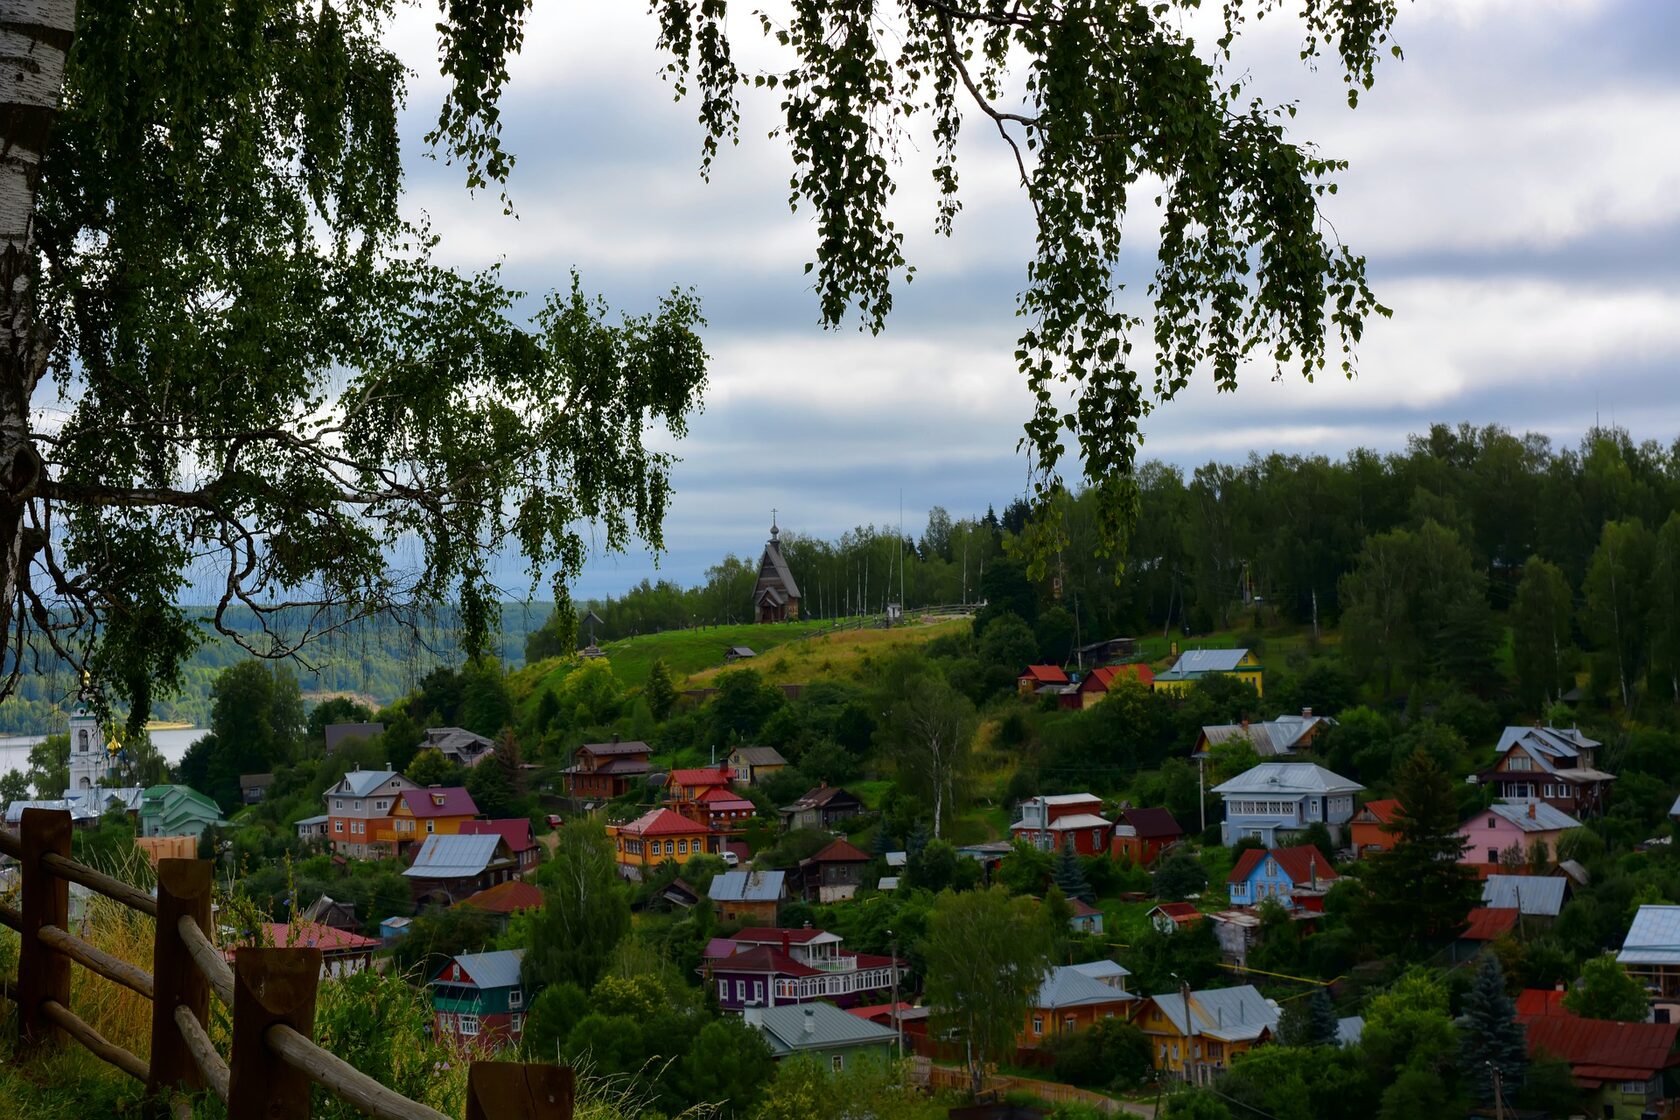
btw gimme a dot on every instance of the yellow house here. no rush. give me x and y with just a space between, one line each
419 813
1194 664
659 836
1194 1035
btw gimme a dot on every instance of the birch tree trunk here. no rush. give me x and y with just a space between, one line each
35 40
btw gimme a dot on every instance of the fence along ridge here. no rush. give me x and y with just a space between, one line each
270 992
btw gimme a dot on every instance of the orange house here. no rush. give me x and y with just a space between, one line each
1074 998
419 813
659 836
1367 829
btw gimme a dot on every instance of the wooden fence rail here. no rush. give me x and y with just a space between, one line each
273 1061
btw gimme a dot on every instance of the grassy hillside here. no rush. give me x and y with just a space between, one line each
832 655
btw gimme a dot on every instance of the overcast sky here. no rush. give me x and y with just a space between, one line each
1515 184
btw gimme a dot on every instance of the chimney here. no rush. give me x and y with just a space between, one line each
1245 723
1531 810
810 1021
1306 713
787 944
1312 867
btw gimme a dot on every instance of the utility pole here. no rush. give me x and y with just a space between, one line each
1498 1096
898 1024
1201 790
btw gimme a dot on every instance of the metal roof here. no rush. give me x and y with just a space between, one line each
499 969
1062 824
443 801
1653 938
1545 818
1193 661
1071 986
453 857
1100 970
362 783
816 1026
747 886
1229 1014
1534 895
321 819
759 756
1288 778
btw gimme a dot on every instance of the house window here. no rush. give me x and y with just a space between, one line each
723 990
358 806
837 1063
670 848
338 826
1069 1023
1038 1024
1493 855
682 847
741 991
517 1024
381 805
758 991
338 803
516 998
431 826
446 1021
1492 823
469 1025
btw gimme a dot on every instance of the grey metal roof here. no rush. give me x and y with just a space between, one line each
1208 661
322 819
1674 809
1653 938
1546 818
454 857
759 756
1069 986
747 886
1349 1030
1101 970
77 811
1535 895
1288 778
499 969
817 1026
362 783
1230 1014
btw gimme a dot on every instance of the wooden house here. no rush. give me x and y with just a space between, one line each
657 837
1556 765
1370 830
447 869
1199 664
833 874
752 897
1141 835
1525 826
1050 822
603 771
1036 677
751 765
419 813
772 967
775 595
1095 685
478 1000
1069 1000
821 808
1194 1035
1295 877
358 806
516 831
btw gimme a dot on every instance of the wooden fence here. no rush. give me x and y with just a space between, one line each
272 1062
938 1077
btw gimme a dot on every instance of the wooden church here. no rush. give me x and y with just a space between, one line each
776 596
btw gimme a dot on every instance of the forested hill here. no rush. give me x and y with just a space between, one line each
378 659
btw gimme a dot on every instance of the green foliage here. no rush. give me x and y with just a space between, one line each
1542 642
805 1089
256 722
1549 1086
1111 1054
930 734
1179 876
486 706
1606 991
1194 1104
381 1024
1161 962
1309 1022
1616 614
1492 1038
438 935
660 691
1025 869
431 768
586 910
1069 874
728 1065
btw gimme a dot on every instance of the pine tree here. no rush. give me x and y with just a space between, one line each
918 840
661 691
882 844
1321 1019
1070 876
1491 1038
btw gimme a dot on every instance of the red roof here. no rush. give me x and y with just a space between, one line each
1045 674
1179 911
1488 922
702 777
663 822
315 935
1081 908
770 936
1601 1050
1152 824
505 898
840 852
1541 1001
763 959
517 832
1384 810
1300 863
1102 679
455 802
720 797
879 1010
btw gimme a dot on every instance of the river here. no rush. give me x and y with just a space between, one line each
171 743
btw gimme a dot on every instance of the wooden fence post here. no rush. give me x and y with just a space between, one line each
512 1091
42 973
183 890
270 986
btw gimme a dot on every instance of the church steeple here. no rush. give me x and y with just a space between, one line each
775 533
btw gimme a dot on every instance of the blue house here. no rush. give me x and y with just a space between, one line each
1292 876
1277 799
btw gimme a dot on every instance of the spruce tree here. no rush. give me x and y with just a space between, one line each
1321 1019
661 691
1069 876
882 844
918 840
1491 1038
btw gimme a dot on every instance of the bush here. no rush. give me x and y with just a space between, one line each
1113 1054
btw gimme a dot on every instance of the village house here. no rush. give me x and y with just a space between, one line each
775 595
1049 822
313 828
177 811
1275 800
603 771
357 803
1537 898
752 897
1524 826
833 874
1095 685
504 900
1034 679
1283 736
1170 917
462 747
328 911
479 1000
448 869
1194 1035
1141 835
821 808
254 787
721 808
834 1039
751 765
657 837
343 953
1071 1000
1556 765
1651 954
1085 917
1619 1068
686 785
771 967
1198 664
516 831
419 813
1369 831
1293 877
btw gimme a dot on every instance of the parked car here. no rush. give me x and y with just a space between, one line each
730 859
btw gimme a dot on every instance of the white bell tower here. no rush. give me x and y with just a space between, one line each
88 761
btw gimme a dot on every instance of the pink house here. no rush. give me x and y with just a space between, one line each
1505 823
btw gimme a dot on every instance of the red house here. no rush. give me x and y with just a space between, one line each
687 785
1040 676
1369 828
517 833
721 808
1098 681
1049 822
1141 835
606 770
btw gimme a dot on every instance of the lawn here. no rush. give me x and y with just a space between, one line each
684 652
848 653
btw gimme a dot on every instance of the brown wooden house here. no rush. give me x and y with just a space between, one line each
606 770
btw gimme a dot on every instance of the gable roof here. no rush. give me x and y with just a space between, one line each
505 898
779 571
440 801
1099 970
1152 824
1487 923
456 740
840 852
817 1026
1193 663
1177 911
771 935
699 776
362 783
1102 678
609 750
763 958
1653 937
1229 1014
515 830
718 798
748 886
758 756
1535 895
1045 674
1288 778
1541 1001
1602 1050
1300 863
1066 986
1533 816
316 935
1382 811
663 822
453 857
819 797
497 969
